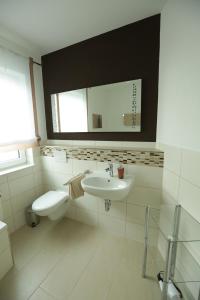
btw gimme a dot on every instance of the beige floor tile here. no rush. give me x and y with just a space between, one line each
67 272
25 281
97 277
47 236
41 295
132 255
129 285
29 265
69 260
27 242
65 275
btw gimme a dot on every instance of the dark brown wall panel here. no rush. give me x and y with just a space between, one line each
127 53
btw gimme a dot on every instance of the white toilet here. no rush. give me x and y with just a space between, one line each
52 204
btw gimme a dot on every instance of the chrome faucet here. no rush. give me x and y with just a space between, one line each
110 169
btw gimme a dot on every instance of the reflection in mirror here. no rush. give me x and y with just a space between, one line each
69 111
107 108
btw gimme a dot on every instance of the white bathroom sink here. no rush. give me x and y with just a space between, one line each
105 187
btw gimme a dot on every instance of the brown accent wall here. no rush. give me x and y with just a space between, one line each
127 53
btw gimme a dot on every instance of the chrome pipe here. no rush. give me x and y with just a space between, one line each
167 271
176 224
146 233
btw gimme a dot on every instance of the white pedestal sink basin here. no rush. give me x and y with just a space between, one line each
111 188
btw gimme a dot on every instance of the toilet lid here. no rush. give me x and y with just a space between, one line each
49 199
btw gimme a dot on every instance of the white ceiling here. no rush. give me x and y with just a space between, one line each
54 24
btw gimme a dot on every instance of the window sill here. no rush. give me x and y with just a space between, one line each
15 169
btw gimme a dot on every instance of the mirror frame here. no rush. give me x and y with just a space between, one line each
102 85
147 133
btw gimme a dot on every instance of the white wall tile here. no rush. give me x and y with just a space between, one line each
57 180
19 189
153 236
1 210
4 241
39 190
135 232
189 270
47 188
101 166
4 191
23 200
38 178
166 199
172 159
189 198
117 209
80 166
132 170
6 262
113 225
37 163
146 176
36 152
63 167
145 196
135 214
47 177
109 144
10 223
46 163
83 143
170 184
20 173
162 246
189 229
59 156
60 142
21 184
181 184
3 179
87 216
7 210
87 202
191 166
19 219
71 212
139 145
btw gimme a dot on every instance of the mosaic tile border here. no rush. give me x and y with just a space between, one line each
124 156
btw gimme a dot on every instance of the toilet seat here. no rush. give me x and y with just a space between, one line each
49 200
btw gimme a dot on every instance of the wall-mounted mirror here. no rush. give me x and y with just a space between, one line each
107 108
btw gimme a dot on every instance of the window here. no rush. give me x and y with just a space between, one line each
17 128
12 158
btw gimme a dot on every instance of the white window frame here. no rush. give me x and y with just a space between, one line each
15 162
